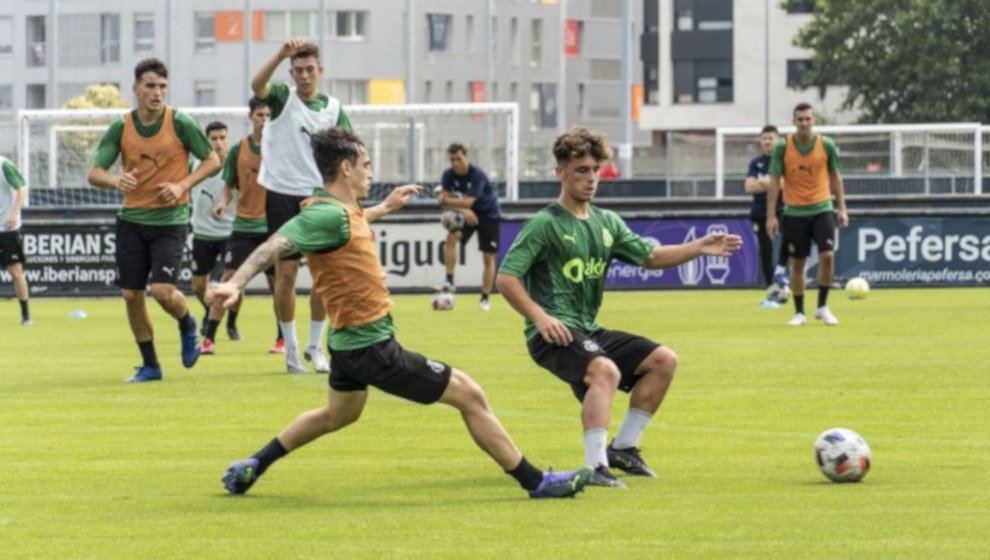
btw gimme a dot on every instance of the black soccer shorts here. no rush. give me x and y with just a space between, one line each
144 250
570 363
391 368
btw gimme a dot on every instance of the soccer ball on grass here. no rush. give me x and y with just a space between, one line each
842 455
778 293
857 288
443 301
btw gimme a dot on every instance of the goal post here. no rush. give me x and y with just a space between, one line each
938 158
408 143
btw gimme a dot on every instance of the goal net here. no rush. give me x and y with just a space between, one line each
907 159
407 143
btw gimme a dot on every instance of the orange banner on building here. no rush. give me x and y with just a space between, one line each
228 26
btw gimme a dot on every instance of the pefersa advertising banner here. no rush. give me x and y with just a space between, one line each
929 251
739 270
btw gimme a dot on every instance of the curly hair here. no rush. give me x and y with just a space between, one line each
150 65
306 50
578 142
331 147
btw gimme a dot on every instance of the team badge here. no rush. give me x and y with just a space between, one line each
437 367
607 237
590 346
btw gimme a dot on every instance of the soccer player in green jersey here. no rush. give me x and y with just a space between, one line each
13 194
335 233
554 275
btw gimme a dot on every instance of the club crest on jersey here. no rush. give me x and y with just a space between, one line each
590 346
607 237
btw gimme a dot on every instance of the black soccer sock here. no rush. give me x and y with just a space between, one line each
148 353
799 304
269 454
211 329
206 308
25 314
279 327
528 476
187 323
484 297
231 319
450 279
822 295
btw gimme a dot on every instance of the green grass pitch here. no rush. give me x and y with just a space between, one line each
91 467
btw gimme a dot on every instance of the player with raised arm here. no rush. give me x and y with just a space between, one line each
13 194
210 231
808 163
153 142
289 172
554 276
250 227
334 231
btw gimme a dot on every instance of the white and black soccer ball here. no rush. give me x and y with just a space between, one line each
452 220
778 293
443 301
842 455
857 288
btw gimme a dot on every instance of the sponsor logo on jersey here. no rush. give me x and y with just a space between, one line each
577 270
607 238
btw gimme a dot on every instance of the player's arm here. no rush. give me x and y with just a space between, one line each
754 184
714 244
773 193
226 195
262 258
550 328
259 83
836 184
393 202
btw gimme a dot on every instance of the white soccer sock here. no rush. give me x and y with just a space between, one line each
594 447
289 334
315 334
631 429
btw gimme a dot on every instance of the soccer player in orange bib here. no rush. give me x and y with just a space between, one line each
809 164
334 232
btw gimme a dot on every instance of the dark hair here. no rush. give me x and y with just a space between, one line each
331 147
215 125
306 50
578 142
802 107
770 128
150 65
456 148
254 104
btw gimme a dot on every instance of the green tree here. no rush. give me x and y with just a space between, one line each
902 60
76 148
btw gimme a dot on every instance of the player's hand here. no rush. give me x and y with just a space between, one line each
170 192
219 209
442 196
226 293
772 225
127 181
553 331
720 244
843 218
11 221
470 218
290 47
400 196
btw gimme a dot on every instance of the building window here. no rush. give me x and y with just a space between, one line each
536 45
685 20
449 91
580 101
280 26
206 94
514 91
439 31
795 71
349 26
494 39
469 35
109 38
514 41
36 47
350 92
36 96
6 98
494 92
428 91
144 33
6 36
205 36
802 7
